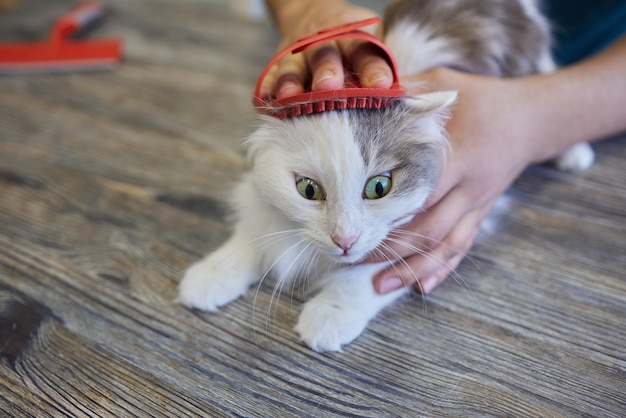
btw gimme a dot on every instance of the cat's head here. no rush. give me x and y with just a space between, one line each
346 178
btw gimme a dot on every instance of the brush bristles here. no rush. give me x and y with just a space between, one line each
300 109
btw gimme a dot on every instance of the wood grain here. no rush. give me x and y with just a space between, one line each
112 183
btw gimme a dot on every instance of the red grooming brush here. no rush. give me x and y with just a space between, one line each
352 96
59 52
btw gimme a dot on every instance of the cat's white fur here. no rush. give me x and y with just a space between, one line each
281 234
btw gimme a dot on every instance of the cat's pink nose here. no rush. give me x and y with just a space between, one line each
345 243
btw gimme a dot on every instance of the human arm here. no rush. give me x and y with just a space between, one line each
322 67
498 127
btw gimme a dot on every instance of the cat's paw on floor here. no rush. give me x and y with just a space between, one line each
207 286
326 326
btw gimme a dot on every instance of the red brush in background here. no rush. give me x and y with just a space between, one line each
60 53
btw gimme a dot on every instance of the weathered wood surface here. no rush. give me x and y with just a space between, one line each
112 183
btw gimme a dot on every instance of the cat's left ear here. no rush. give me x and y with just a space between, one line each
438 102
430 113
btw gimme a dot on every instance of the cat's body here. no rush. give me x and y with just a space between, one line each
325 190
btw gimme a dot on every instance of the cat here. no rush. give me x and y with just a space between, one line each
325 190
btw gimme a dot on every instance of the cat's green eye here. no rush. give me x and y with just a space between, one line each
309 189
377 186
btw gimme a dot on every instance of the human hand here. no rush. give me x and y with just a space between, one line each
321 67
492 139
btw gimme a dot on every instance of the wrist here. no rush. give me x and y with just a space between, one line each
553 115
538 128
288 14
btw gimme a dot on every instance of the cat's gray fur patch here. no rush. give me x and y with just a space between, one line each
492 37
389 138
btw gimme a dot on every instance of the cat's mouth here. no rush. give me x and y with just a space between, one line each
348 258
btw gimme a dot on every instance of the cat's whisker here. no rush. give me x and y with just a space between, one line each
271 239
439 261
401 233
285 234
304 273
426 253
282 280
400 260
267 240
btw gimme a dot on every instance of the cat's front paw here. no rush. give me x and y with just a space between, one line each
576 158
207 285
327 326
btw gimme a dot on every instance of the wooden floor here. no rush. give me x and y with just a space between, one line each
112 183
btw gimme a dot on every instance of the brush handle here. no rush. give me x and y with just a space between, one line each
350 30
77 19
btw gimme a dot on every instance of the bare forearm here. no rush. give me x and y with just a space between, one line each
281 10
582 102
287 12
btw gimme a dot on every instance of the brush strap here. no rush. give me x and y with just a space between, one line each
350 97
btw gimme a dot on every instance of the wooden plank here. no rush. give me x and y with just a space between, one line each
112 183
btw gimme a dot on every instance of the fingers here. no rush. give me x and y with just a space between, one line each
322 68
428 283
326 65
433 227
287 77
318 69
368 62
428 269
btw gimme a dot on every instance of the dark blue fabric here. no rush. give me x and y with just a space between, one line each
584 27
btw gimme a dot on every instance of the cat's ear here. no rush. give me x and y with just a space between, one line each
430 112
438 102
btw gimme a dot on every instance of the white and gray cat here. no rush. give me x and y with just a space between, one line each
325 190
